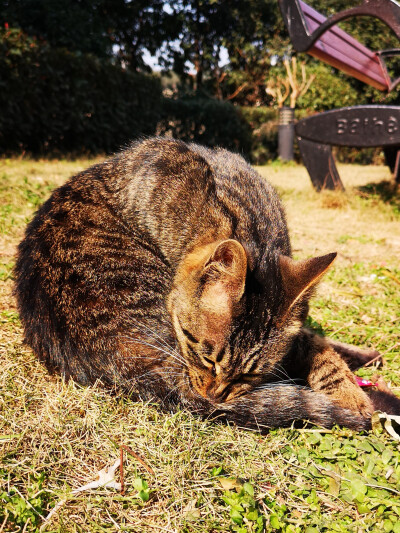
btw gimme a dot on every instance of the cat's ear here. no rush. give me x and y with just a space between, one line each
301 276
225 270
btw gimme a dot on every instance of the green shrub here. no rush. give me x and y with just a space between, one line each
54 100
264 125
206 121
329 90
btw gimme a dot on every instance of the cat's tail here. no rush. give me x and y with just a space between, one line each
279 405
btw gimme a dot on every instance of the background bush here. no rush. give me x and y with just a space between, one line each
207 121
55 100
263 122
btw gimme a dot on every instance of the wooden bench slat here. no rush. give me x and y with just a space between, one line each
342 51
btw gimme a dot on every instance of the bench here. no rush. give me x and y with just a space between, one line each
360 126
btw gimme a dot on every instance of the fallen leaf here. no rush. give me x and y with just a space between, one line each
105 478
366 319
190 511
229 483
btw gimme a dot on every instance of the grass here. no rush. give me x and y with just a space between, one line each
208 477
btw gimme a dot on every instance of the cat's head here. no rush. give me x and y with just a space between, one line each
235 316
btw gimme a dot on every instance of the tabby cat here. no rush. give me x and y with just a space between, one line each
166 272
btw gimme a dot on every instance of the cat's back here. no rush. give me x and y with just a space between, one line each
251 202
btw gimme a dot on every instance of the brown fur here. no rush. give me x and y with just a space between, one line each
166 272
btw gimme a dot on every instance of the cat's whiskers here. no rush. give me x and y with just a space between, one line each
174 355
167 349
154 333
280 372
147 329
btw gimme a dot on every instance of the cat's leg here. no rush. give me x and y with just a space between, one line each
354 356
383 398
314 360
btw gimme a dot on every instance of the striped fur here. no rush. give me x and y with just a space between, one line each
166 272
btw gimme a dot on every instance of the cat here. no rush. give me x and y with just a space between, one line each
166 273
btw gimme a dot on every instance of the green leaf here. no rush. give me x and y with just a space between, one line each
230 499
387 526
139 484
144 495
334 486
396 527
369 465
365 445
378 445
236 516
216 471
314 438
358 490
274 521
252 515
248 488
237 507
362 508
386 456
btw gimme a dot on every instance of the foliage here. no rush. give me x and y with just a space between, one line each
139 25
249 33
114 29
67 82
257 38
243 509
204 25
53 99
329 90
264 124
206 121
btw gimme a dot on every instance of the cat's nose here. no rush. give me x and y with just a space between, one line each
217 392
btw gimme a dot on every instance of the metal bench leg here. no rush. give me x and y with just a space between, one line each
396 172
392 157
319 162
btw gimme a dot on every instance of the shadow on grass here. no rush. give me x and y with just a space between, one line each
385 191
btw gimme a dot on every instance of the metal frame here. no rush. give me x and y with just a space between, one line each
313 33
359 126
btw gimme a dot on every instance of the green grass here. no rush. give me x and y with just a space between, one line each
208 477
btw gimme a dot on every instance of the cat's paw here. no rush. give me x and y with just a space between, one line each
350 396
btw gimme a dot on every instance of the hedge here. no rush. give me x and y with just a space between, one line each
206 121
54 100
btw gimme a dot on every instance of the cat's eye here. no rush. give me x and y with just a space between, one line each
250 377
210 364
189 336
208 361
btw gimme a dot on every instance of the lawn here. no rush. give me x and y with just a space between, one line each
200 476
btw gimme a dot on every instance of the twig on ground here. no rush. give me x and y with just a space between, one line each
121 464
